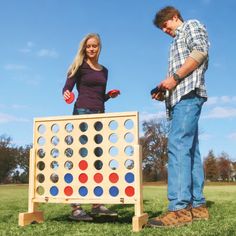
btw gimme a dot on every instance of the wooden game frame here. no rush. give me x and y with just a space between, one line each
67 142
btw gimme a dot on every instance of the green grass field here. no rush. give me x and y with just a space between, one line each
221 201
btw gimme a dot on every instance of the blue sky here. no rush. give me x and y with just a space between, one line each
39 40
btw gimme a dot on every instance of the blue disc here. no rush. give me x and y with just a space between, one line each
129 177
83 191
68 178
114 191
54 190
98 191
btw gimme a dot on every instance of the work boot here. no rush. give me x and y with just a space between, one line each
200 213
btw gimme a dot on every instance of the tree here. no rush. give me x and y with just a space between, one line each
210 166
7 158
224 167
154 146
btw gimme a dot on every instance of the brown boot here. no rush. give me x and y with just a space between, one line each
172 219
200 213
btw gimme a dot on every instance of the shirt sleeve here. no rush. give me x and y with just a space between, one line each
196 37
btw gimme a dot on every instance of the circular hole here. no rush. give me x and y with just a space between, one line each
129 177
129 151
83 139
83 191
69 139
68 178
113 177
69 127
83 152
68 191
54 178
41 141
55 153
114 191
40 190
41 165
41 129
83 127
129 137
98 151
83 178
68 165
40 178
114 164
98 126
129 124
98 178
54 191
55 128
129 191
98 165
113 125
83 165
69 152
113 138
55 140
98 138
98 191
41 153
113 151
129 164
54 165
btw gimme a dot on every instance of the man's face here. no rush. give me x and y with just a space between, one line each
170 26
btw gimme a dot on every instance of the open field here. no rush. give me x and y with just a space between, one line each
221 201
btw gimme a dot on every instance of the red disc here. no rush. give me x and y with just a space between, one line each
113 177
129 191
68 191
98 178
71 98
113 91
83 178
83 165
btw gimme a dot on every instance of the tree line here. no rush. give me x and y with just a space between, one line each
14 160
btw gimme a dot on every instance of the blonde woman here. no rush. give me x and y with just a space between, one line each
90 79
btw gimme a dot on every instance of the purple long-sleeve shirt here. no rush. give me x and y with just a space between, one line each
91 86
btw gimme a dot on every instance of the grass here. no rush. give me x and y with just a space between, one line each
221 201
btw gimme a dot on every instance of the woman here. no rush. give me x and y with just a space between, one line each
90 79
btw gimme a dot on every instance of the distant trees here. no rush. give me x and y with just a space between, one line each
14 162
154 147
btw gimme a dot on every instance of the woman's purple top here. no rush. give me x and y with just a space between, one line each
91 86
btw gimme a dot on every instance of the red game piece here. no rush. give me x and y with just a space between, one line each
71 98
113 91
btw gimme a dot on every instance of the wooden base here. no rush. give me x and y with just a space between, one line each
30 217
139 221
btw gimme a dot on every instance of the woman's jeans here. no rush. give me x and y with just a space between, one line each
84 111
185 169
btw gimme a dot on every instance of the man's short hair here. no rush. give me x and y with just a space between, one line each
166 13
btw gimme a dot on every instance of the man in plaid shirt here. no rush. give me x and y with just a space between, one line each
185 94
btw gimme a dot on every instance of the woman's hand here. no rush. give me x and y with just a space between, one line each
66 95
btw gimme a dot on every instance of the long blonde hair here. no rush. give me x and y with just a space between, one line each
80 55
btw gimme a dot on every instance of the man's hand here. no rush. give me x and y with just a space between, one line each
160 96
168 84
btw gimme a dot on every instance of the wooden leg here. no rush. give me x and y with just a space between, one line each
30 217
139 221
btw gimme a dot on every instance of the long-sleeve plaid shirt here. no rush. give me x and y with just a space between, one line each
191 35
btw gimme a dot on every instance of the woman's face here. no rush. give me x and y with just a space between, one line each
92 48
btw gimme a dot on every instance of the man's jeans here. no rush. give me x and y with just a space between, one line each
185 169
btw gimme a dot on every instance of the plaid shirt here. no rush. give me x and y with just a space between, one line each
191 35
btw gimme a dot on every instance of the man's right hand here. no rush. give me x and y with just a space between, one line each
160 96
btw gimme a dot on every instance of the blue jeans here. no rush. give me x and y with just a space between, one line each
185 169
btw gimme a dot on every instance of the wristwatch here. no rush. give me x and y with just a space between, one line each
177 78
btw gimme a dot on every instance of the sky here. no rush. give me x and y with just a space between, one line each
39 39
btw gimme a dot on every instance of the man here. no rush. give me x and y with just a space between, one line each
185 95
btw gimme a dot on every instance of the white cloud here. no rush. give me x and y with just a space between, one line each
220 112
221 100
5 118
15 67
145 116
47 53
27 48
